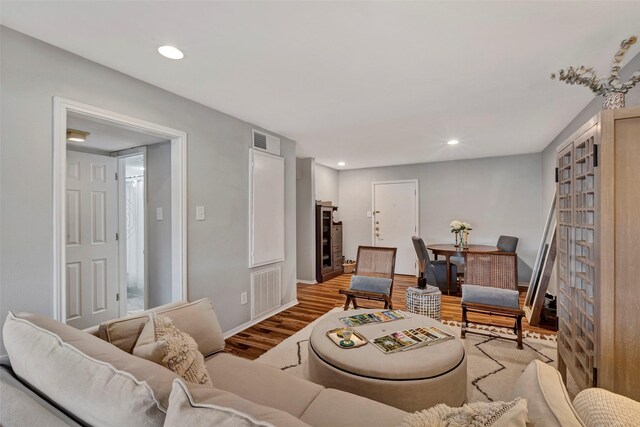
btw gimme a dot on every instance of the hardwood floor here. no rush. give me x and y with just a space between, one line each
316 300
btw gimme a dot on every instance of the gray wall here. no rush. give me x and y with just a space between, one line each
217 156
326 184
305 223
158 176
498 195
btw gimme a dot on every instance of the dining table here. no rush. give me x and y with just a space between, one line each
449 250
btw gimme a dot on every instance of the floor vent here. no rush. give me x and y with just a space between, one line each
266 285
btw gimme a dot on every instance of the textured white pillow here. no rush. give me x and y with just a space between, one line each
476 414
163 343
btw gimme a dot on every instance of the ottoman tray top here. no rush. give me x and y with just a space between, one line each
368 361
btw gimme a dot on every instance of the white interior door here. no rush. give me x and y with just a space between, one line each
92 248
395 214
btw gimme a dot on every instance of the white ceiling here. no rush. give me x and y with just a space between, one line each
370 83
107 137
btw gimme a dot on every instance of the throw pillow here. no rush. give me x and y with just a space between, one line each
163 343
476 414
196 405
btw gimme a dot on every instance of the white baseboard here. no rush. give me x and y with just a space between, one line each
257 320
306 282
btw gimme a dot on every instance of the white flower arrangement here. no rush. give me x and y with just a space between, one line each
458 226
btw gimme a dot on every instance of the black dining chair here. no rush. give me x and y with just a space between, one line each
507 244
434 271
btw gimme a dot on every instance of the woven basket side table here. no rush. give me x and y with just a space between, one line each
427 302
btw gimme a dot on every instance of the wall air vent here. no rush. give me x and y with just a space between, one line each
264 142
259 140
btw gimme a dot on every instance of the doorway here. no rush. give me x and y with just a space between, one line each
107 209
133 234
395 220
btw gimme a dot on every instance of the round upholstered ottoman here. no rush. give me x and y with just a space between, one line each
411 380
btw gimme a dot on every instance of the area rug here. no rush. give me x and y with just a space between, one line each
493 365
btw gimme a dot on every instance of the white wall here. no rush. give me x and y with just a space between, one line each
326 184
305 220
498 195
158 182
217 157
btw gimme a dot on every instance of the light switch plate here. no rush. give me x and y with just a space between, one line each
368 214
159 215
243 298
200 213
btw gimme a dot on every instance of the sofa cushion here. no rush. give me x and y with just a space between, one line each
599 407
262 384
163 343
22 407
331 406
197 405
124 332
85 375
197 319
548 401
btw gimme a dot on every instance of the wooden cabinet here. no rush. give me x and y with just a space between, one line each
598 205
328 243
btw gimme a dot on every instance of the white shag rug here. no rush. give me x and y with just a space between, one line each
493 365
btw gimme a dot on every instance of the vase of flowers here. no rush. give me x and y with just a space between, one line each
610 87
461 230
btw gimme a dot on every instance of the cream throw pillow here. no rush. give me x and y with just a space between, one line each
201 406
476 414
163 343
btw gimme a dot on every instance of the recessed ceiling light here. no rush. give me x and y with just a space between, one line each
453 142
170 52
342 164
74 135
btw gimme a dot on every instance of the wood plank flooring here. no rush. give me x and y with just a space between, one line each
316 300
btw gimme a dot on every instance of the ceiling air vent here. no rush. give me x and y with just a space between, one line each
264 142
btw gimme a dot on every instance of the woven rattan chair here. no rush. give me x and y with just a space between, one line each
492 288
374 262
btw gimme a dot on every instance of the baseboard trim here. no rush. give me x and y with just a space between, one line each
257 320
307 282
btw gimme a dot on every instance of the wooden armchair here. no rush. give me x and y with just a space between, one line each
374 262
492 288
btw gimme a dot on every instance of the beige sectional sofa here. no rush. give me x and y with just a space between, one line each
94 382
64 376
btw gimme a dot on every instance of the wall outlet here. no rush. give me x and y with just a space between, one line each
159 214
243 298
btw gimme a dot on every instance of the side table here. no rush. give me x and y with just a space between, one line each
427 301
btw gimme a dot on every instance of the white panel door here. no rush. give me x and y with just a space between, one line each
395 207
92 248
